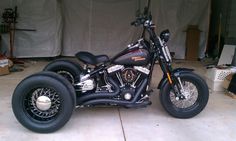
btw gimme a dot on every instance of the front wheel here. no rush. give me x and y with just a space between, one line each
195 99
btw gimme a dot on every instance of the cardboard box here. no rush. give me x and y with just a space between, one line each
227 81
192 42
4 69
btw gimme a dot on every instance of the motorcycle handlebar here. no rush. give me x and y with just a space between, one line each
138 21
143 17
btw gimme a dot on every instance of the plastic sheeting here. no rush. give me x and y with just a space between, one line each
176 15
45 17
4 4
99 26
103 26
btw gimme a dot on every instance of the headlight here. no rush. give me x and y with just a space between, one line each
165 35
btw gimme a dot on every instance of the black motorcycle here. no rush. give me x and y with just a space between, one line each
44 102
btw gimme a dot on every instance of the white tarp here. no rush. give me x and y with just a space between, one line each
102 26
45 17
99 26
176 15
4 4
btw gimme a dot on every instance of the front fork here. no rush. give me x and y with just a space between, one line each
181 92
176 85
174 80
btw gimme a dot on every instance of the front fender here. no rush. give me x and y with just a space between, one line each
176 72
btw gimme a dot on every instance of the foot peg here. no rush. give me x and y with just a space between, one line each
139 105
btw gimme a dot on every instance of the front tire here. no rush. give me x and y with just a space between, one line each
193 104
43 102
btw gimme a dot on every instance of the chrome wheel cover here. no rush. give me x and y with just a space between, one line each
43 104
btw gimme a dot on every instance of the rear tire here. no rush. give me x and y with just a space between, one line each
66 68
170 104
50 114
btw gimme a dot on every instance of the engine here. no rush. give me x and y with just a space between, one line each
129 78
129 75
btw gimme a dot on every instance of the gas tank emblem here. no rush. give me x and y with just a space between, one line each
138 58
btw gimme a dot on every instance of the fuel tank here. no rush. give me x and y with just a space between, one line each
132 57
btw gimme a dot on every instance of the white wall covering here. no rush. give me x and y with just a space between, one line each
176 15
4 4
99 26
102 26
45 17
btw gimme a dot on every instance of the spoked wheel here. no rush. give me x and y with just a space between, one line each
194 97
66 68
190 95
43 102
68 75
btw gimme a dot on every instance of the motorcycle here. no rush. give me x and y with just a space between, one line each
44 102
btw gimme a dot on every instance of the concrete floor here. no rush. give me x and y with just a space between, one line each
217 122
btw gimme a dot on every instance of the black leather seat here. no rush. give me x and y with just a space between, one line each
89 58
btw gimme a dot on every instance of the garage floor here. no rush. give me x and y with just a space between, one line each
216 122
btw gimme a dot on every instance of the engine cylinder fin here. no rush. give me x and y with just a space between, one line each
120 80
133 85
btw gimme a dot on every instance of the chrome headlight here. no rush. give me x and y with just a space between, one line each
165 35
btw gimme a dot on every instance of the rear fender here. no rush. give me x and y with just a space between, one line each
69 63
176 72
